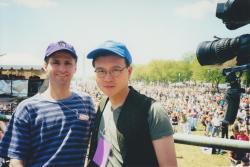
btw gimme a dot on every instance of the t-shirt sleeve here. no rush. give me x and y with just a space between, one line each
16 140
159 123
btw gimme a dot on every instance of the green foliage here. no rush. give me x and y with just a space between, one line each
207 74
163 71
177 71
246 78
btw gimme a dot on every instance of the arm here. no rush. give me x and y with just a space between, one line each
2 126
162 136
16 163
15 142
165 151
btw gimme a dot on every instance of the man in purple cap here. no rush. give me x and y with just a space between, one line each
51 128
131 129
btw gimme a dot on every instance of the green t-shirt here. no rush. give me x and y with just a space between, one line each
159 126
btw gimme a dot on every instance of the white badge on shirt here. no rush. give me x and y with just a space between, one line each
83 117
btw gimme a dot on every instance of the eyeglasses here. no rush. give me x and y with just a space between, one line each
115 72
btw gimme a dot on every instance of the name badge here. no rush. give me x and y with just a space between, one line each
102 152
83 117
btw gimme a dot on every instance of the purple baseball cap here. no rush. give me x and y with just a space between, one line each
111 47
60 46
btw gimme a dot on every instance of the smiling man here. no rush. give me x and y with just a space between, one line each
131 129
51 128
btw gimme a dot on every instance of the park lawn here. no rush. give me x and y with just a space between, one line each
192 156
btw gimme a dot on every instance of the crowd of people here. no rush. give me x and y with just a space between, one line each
149 111
192 107
188 105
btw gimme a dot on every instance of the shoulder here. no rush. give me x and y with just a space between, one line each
159 123
33 99
138 97
157 112
85 100
30 102
157 107
25 108
82 95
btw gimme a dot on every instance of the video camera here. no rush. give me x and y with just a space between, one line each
234 14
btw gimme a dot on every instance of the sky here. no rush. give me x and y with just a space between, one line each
151 29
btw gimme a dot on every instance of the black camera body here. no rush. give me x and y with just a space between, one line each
222 50
234 14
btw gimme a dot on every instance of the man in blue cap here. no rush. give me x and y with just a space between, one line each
131 129
51 128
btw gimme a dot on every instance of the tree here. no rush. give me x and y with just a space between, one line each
178 71
163 71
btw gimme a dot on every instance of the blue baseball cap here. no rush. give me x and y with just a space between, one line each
60 46
111 47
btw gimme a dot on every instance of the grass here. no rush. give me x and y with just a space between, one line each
193 156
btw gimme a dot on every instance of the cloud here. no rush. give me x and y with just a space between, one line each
197 10
36 3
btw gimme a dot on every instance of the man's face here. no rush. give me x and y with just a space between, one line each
112 74
60 68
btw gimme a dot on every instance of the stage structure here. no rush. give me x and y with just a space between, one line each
17 83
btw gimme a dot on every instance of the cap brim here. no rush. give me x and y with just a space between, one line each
63 50
101 51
